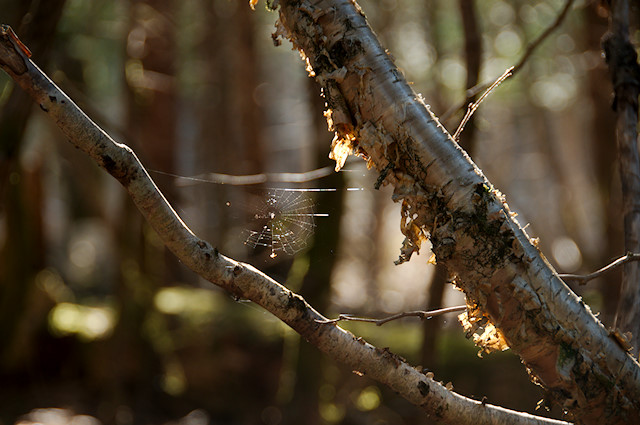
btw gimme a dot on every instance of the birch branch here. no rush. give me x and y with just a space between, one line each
376 115
241 279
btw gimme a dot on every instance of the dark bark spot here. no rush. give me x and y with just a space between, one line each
344 50
389 355
623 68
296 302
44 108
237 270
53 99
383 175
423 387
322 64
116 171
109 164
443 248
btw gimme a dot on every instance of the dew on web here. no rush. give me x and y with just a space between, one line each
285 220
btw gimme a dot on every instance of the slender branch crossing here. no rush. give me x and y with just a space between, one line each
379 322
582 279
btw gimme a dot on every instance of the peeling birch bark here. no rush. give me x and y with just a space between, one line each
507 281
241 279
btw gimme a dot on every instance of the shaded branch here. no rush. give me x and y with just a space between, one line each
379 322
582 279
242 280
474 106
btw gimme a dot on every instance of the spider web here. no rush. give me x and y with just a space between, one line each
285 219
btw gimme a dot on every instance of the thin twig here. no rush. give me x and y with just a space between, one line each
583 279
473 106
379 322
473 91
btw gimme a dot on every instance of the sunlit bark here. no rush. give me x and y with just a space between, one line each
504 276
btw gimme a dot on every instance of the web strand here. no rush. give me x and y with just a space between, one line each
287 221
284 219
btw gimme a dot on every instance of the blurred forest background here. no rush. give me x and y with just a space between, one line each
99 324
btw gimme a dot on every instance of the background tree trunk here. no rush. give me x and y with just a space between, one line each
625 75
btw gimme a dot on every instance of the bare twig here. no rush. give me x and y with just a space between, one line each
582 279
473 106
478 88
379 322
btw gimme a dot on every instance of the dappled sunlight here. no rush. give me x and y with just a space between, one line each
54 416
88 323
555 92
567 254
507 43
187 301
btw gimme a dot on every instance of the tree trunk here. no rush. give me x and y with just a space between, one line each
625 75
603 142
22 255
